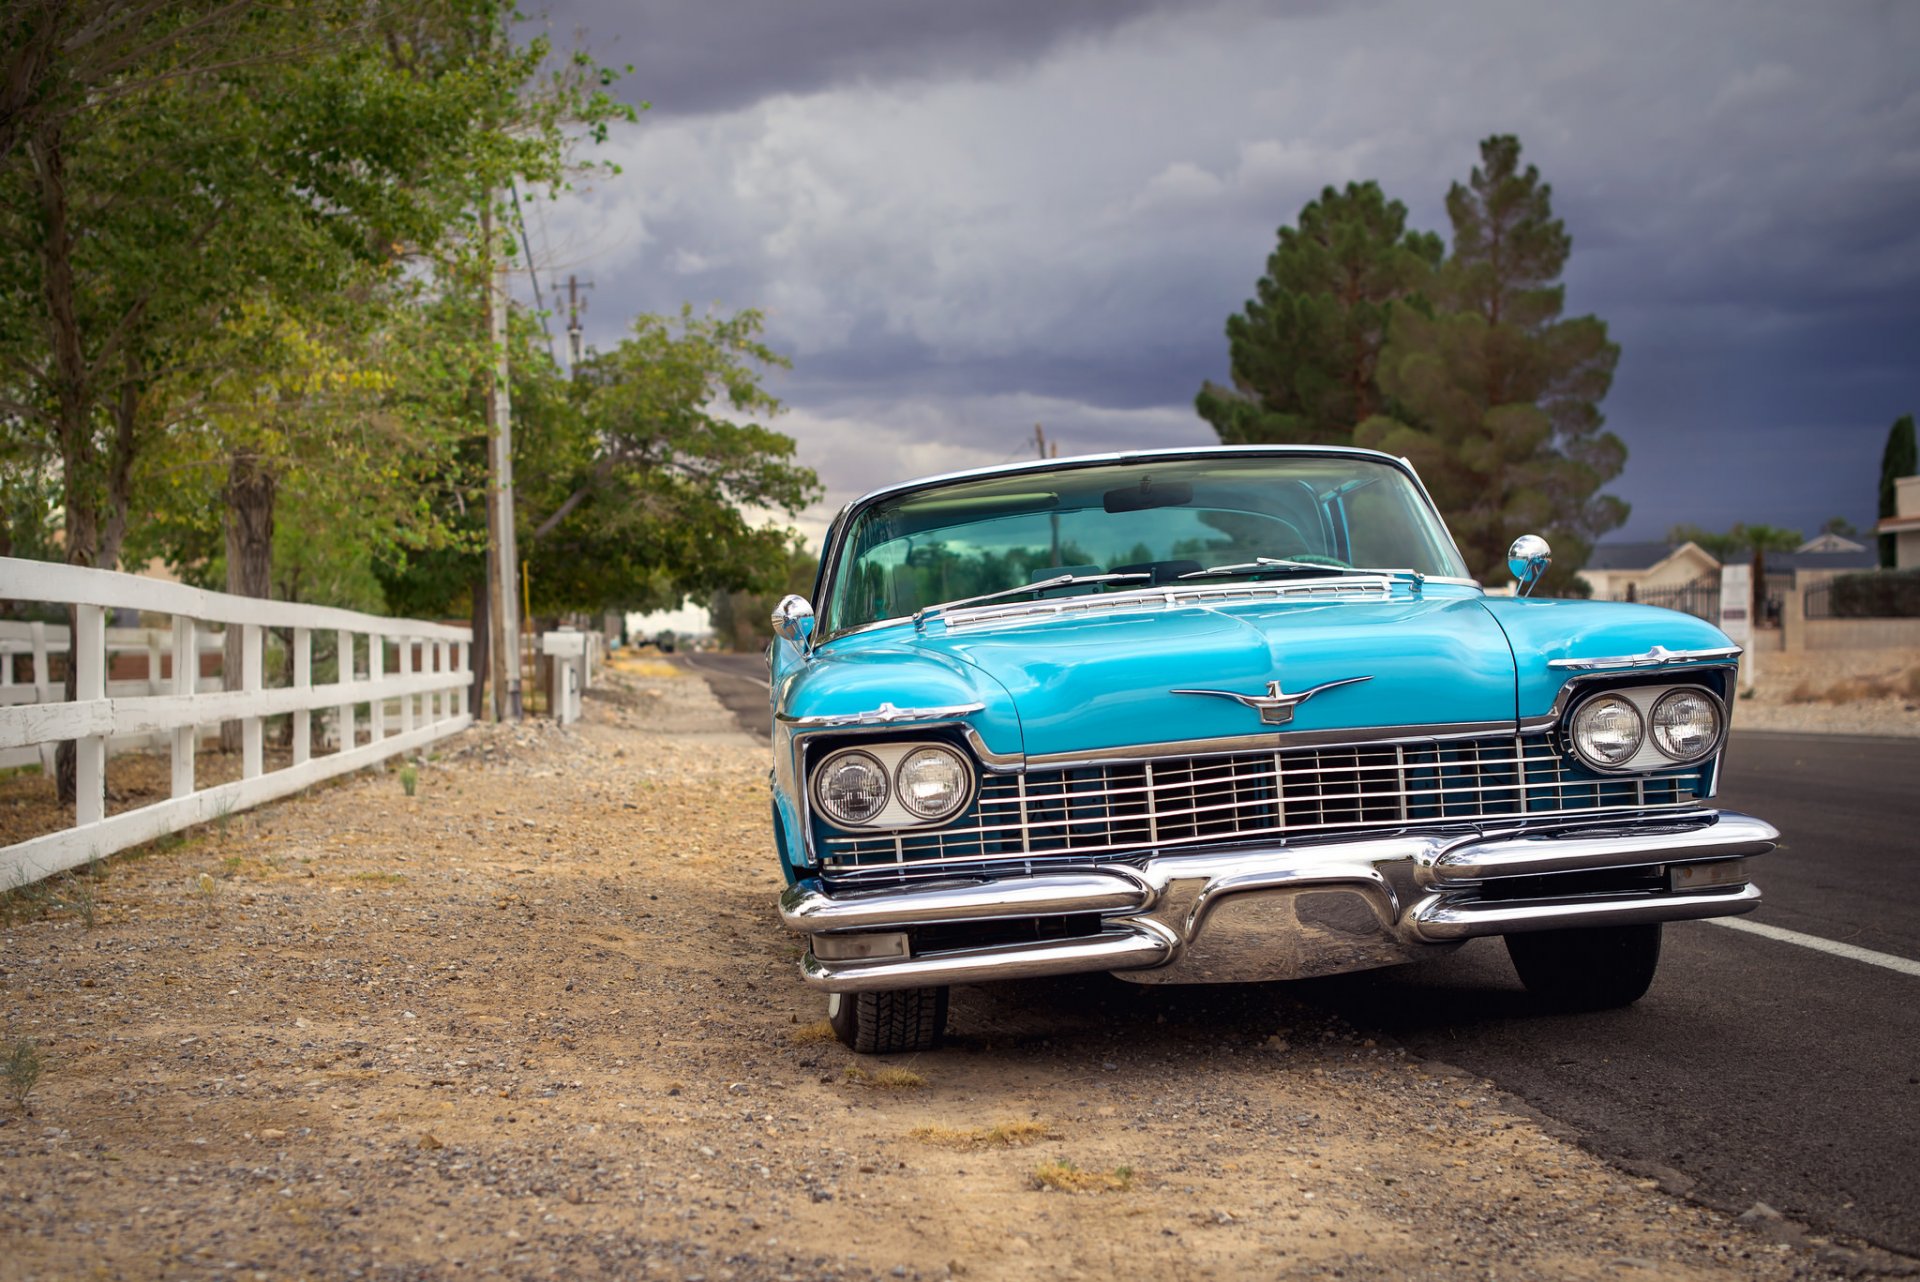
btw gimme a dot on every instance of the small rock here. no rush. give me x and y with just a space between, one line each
1760 1213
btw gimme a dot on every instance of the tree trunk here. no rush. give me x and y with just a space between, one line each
477 652
249 495
72 399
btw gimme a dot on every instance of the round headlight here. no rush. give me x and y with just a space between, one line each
851 787
933 782
1686 724
1606 730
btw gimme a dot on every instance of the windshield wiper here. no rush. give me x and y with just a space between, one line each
1263 563
1058 581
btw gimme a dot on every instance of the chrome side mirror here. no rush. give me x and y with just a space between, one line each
1528 560
793 620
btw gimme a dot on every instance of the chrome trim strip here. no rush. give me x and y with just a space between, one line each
1128 946
1167 598
1726 834
1441 920
1279 739
1574 686
884 715
1651 659
808 908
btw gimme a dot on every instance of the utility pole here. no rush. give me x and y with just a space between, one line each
1041 444
576 344
503 557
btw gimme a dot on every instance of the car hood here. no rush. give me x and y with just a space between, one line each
1083 683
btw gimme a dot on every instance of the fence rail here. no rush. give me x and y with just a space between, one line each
424 695
1700 598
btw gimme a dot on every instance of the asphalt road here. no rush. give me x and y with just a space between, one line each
1757 1069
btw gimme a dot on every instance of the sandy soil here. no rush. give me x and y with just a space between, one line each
540 1021
1868 692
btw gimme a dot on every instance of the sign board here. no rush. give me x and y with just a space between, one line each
1736 614
1736 602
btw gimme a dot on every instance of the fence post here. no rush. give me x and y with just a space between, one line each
443 660
344 668
186 675
302 680
42 691
403 667
252 729
376 673
87 651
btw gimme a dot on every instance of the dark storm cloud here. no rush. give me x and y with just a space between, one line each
961 218
697 56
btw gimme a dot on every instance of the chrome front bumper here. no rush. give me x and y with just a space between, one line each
1287 910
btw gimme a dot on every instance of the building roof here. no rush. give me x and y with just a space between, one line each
1860 559
1828 541
1629 556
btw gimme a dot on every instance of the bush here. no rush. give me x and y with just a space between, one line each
1886 594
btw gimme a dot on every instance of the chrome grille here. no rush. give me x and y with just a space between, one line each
1112 810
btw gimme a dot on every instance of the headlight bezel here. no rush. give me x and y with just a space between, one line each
1648 758
893 815
1713 740
1612 698
821 773
966 781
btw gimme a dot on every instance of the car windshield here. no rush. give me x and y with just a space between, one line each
1158 518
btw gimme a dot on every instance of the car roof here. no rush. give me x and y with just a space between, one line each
1123 456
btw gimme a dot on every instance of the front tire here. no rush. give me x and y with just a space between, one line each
889 1023
1598 968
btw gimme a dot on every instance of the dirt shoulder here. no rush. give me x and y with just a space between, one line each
540 1021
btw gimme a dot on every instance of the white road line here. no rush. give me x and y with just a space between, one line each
1887 961
725 671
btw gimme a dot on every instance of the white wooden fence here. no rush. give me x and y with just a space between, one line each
28 649
422 699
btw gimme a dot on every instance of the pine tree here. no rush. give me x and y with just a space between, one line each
1304 350
1897 460
1492 395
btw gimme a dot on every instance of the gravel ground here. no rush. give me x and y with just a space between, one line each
1869 692
540 1021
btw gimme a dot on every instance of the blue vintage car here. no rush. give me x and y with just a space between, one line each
1212 715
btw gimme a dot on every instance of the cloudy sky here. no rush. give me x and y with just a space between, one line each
963 219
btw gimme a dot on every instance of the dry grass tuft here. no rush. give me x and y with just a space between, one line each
1896 685
812 1034
898 1079
1064 1177
1005 1135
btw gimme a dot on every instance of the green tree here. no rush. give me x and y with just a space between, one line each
640 482
1494 395
1305 348
1898 459
742 618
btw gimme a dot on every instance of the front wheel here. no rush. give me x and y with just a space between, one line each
1597 968
889 1023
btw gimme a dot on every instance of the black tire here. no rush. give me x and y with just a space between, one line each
1594 969
889 1023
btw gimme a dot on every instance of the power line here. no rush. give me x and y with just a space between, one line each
539 301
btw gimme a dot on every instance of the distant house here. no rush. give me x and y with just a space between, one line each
1831 542
1625 571
1904 525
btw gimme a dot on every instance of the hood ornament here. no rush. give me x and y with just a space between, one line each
1276 705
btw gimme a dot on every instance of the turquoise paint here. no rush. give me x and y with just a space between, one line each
1544 630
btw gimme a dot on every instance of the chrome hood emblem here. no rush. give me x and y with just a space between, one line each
1276 705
